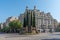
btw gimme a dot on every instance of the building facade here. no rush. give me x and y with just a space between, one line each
44 22
1 25
12 18
21 18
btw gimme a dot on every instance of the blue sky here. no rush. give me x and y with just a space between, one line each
15 7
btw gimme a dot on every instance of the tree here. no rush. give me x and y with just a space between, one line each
33 20
24 23
58 28
5 29
15 26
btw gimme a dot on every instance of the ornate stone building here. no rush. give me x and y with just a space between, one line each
9 19
21 18
1 25
43 22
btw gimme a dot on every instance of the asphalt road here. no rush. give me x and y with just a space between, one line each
41 36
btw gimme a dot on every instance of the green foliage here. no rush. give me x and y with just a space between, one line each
58 28
59 25
24 24
15 24
33 21
5 29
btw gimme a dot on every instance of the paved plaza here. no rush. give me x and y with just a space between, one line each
41 36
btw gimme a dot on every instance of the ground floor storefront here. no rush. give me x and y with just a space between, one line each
46 30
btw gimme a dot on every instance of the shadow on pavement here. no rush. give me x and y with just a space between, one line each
55 34
51 39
